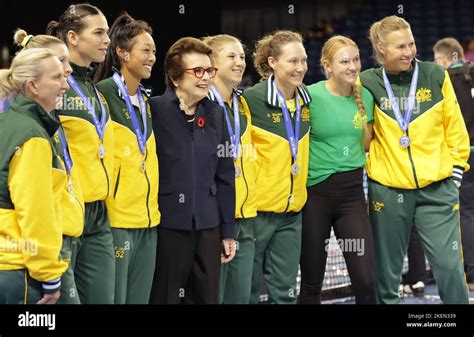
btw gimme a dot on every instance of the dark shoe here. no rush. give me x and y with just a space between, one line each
417 289
471 286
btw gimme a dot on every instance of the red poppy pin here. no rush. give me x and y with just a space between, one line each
201 122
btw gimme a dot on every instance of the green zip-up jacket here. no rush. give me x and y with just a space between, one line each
245 192
134 201
84 142
278 190
439 142
32 181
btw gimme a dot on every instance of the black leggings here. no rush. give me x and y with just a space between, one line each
339 202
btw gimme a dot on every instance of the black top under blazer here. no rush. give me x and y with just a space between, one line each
195 183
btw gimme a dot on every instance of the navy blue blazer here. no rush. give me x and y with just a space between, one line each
195 182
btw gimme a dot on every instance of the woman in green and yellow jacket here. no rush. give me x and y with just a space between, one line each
133 206
89 132
415 164
72 201
32 180
229 57
280 133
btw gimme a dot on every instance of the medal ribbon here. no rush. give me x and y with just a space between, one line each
403 121
234 137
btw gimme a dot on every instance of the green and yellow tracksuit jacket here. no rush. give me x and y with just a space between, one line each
439 142
134 201
32 181
278 190
72 201
94 173
245 191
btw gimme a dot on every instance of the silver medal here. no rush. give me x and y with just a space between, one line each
101 151
70 186
405 141
295 169
238 171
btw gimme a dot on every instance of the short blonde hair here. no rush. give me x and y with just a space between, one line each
26 65
451 48
379 30
217 42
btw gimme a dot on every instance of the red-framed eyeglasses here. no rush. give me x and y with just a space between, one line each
199 71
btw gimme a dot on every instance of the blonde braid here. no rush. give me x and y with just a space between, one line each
359 101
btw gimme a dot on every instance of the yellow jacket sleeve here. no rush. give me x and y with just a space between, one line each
35 188
456 135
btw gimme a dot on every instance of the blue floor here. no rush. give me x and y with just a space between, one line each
431 297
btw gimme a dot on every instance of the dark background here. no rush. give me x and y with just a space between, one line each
251 19
167 24
247 19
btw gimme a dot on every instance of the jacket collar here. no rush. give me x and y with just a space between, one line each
82 73
455 65
146 91
272 97
408 72
25 106
170 95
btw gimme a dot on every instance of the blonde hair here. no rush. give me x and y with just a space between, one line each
451 48
26 65
379 30
270 45
330 49
217 42
23 40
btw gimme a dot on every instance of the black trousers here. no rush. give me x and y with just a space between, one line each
466 196
187 267
338 202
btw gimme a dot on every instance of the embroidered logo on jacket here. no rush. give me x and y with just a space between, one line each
104 101
423 95
305 117
276 117
377 206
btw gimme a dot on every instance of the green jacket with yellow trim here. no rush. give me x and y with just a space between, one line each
72 200
134 202
278 190
32 180
439 142
94 173
245 191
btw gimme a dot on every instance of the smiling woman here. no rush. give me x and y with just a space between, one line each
72 202
133 208
418 157
89 131
278 107
341 117
28 158
236 276
197 194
